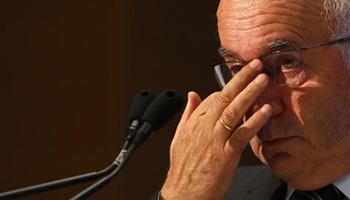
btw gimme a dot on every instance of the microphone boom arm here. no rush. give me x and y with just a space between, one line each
52 185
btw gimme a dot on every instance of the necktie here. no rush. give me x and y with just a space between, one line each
280 192
330 192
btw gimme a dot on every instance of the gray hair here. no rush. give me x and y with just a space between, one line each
337 17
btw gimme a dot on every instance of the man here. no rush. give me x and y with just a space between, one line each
290 84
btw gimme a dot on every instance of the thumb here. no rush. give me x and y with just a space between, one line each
193 101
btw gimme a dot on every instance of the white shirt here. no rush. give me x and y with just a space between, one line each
343 184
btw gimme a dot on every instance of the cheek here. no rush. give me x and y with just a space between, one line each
324 107
304 104
319 110
308 106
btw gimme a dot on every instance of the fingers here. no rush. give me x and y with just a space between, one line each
239 106
243 134
236 85
218 101
233 113
230 104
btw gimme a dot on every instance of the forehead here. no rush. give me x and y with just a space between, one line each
246 26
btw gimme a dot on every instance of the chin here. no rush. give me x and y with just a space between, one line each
293 171
289 166
283 165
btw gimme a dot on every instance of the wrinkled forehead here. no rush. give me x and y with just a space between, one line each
246 26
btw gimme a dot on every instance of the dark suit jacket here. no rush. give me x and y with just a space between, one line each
253 183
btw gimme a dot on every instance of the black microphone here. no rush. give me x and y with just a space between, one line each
161 110
140 103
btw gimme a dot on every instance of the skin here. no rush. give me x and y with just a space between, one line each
301 133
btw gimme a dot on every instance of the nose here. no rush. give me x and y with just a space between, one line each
271 95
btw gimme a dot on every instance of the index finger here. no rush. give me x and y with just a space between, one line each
238 83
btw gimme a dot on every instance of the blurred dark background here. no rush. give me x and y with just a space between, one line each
69 72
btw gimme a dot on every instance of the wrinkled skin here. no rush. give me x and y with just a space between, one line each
301 133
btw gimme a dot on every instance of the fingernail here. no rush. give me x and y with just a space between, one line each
261 79
266 109
189 94
255 64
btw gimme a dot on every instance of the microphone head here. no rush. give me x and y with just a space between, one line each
163 108
140 103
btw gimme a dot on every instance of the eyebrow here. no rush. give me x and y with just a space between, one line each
279 44
223 52
275 45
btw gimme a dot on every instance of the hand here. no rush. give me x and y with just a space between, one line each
204 153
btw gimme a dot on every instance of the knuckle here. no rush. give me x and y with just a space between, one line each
230 114
241 78
211 98
213 95
248 69
222 98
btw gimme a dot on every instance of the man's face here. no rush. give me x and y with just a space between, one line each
307 141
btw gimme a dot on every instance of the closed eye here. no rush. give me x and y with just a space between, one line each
234 66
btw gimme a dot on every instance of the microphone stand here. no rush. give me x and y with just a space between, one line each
170 100
119 162
138 137
56 184
52 185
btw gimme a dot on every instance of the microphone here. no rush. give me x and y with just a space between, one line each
141 101
161 110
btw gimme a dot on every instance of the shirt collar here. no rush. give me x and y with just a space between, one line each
289 192
343 184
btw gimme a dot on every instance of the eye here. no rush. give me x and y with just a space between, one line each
234 66
287 62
